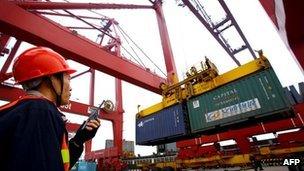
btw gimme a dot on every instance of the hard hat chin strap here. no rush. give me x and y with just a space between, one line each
58 94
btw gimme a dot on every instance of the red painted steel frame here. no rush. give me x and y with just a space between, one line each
165 41
67 15
4 39
294 24
63 5
18 22
3 73
88 144
269 6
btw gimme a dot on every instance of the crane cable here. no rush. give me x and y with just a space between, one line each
131 55
123 35
123 32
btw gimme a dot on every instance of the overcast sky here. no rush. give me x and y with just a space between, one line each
190 43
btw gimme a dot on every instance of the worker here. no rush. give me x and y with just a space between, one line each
33 136
207 62
256 163
188 74
193 71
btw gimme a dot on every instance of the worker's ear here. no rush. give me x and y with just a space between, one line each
56 82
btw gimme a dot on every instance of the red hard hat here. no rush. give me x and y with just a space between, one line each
39 62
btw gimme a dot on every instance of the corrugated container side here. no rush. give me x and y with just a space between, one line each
164 126
259 95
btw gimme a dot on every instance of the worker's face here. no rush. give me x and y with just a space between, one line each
66 90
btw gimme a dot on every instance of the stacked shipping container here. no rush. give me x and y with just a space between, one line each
246 100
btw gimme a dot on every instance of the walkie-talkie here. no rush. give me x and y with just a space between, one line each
93 115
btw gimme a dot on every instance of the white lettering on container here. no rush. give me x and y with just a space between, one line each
233 110
142 123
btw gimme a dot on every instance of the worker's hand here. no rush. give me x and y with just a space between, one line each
83 135
93 124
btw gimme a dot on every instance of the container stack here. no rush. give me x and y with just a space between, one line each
247 100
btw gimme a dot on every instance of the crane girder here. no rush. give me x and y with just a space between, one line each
38 30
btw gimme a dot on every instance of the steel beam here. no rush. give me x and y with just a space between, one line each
207 26
10 57
88 144
237 27
40 31
165 42
269 6
294 28
67 15
4 39
3 73
92 87
292 18
80 74
64 5
81 28
118 123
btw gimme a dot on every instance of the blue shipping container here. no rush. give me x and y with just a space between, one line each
161 127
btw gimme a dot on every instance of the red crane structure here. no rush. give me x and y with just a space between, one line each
288 17
26 21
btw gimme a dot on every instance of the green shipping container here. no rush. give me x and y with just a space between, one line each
256 97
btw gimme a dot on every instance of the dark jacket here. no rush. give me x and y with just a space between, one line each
30 137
